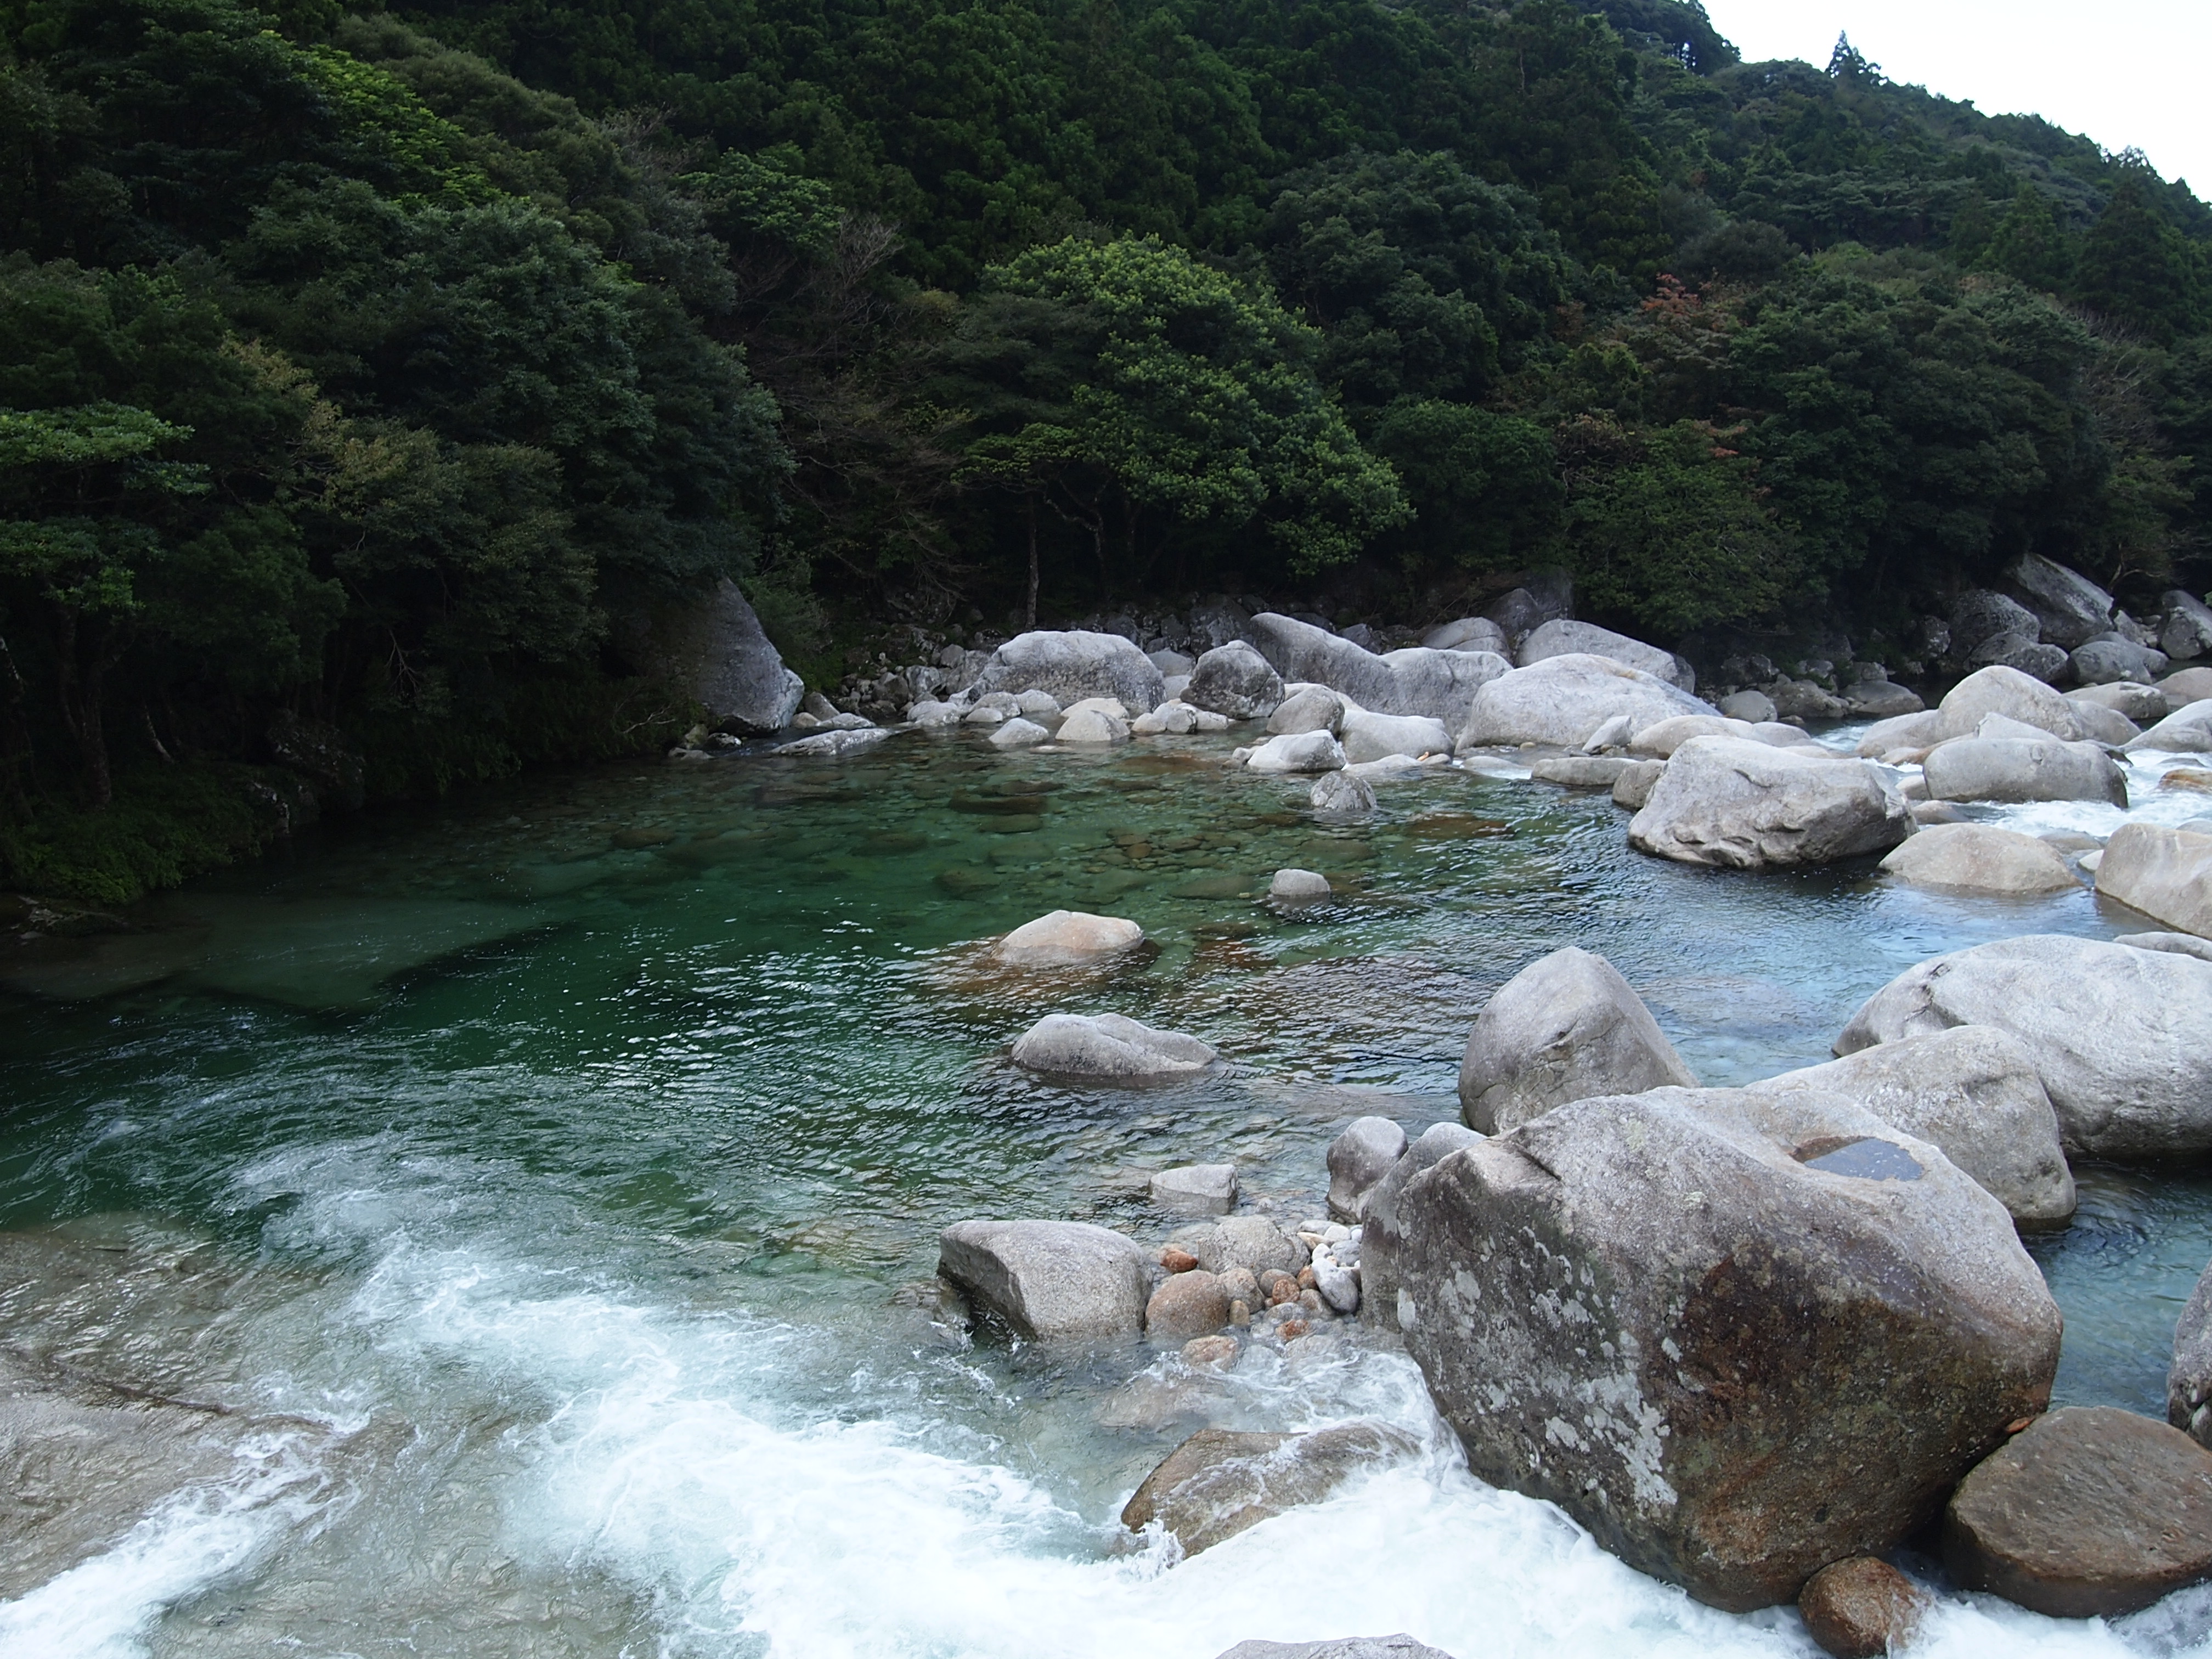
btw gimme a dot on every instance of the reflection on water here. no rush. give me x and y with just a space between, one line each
556 1170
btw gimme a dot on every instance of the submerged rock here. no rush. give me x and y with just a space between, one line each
1197 1188
1747 806
2166 874
1298 887
1303 751
2118 1035
1580 771
1068 938
1341 796
1563 700
2089 1511
1109 1046
1972 1091
1564 1028
1357 1159
1072 666
1863 1609
2188 1382
1018 733
1980 858
1218 1482
1050 1280
1236 681
1736 1336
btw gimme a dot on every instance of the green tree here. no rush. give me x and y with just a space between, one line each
2137 270
2031 243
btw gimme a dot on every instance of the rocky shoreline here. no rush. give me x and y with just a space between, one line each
1754 1339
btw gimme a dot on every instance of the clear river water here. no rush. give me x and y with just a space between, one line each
529 1204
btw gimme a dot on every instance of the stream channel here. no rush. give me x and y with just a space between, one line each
507 1228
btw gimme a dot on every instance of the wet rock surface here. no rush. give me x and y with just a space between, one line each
1614 1307
1218 1482
1050 1280
1863 1609
1980 858
2189 1382
2089 1511
1107 1046
1346 1647
1564 1028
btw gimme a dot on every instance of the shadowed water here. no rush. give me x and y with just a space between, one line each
551 1177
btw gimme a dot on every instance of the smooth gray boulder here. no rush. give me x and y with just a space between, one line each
2118 1035
1018 733
1196 1189
1235 680
1980 858
1564 1028
1881 699
1659 741
2091 1511
1468 634
1072 665
1290 886
1972 1091
1299 752
1979 615
1580 771
1357 1159
1549 595
2107 661
1306 708
1252 1242
2106 726
2165 873
1440 685
2022 770
2187 730
2068 607
1068 938
1300 651
1911 734
2188 1382
1562 638
2001 690
1108 1046
1753 707
1368 736
715 651
2047 663
1563 700
2136 704
1740 805
1049 1281
1340 797
1379 1231
2189 686
1736 1336
1218 1482
2184 944
1092 726
2185 627
1633 788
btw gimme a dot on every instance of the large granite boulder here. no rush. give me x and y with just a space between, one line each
2006 691
1980 858
2118 1035
1563 638
2189 686
1218 1482
2105 726
1357 1159
1073 665
1564 1028
2068 607
1380 1230
2187 730
2165 873
1440 685
2134 703
1235 680
1300 651
1299 752
2185 628
1973 1092
1660 742
2089 1511
2188 1382
2047 663
2022 769
1979 614
1306 708
1736 1336
1107 1046
1473 633
1369 736
2110 659
1563 700
1049 1281
1068 938
1746 806
714 652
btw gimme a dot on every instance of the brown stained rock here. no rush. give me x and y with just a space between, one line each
1218 1482
2092 1510
1177 1262
1862 1609
1215 1353
1191 1305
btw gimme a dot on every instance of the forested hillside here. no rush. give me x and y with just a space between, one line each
370 369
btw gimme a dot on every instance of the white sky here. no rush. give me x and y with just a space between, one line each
2122 71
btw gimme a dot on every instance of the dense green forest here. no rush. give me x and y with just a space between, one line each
365 369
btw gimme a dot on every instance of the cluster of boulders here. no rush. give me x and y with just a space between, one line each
2061 627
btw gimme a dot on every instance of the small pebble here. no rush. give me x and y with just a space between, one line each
1240 1312
1291 1329
1306 1278
1310 1301
1215 1353
1177 1262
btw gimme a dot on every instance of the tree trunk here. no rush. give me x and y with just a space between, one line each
1029 612
80 678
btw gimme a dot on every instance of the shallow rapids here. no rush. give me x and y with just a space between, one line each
503 1230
